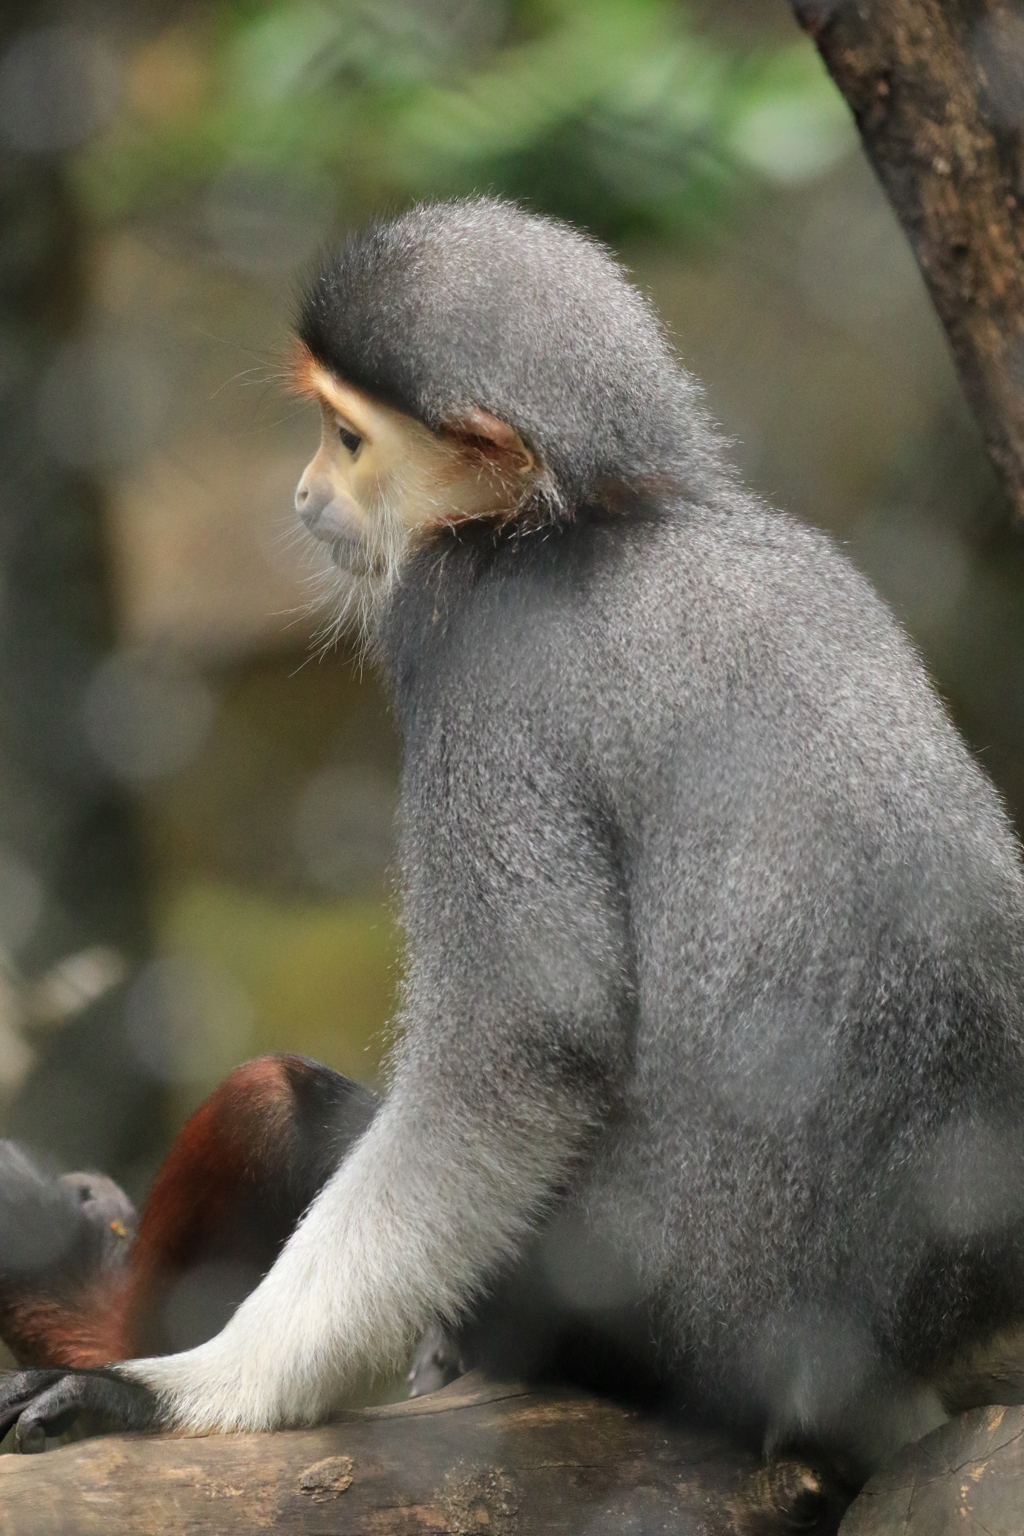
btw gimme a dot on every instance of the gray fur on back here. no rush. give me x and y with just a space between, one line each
689 840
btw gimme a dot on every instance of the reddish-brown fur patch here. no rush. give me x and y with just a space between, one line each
230 1141
89 1330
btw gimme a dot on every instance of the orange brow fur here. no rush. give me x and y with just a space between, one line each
301 370
312 381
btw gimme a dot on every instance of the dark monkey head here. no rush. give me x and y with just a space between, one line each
475 360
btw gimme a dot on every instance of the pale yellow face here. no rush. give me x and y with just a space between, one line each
379 477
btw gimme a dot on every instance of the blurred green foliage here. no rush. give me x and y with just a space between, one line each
616 113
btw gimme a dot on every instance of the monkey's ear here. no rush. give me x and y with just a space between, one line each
480 432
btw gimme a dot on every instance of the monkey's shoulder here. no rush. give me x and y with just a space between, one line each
722 591
656 624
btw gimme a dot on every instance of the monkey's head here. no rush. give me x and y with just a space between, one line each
474 361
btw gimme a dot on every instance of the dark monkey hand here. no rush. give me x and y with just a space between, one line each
47 1402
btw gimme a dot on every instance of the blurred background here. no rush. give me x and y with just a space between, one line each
195 802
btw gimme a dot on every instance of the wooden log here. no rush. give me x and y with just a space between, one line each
967 1478
477 1459
485 1459
936 87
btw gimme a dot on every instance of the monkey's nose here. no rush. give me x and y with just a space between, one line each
312 494
302 495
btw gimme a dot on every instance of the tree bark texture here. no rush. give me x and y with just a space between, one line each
474 1460
965 1478
937 89
483 1459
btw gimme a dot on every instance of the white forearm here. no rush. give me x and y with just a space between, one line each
407 1227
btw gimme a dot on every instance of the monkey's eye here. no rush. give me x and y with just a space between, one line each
351 440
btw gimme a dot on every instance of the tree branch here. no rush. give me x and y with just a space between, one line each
482 1459
937 89
478 1459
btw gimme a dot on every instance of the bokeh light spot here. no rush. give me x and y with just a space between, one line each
260 221
58 86
791 140
187 1021
102 403
21 901
854 263
344 829
146 716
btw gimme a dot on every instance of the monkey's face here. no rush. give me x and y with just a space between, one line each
380 478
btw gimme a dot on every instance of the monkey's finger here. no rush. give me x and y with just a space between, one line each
111 1401
49 1413
17 1390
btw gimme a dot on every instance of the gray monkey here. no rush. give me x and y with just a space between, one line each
713 992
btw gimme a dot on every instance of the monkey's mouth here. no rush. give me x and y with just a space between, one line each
353 557
353 552
337 524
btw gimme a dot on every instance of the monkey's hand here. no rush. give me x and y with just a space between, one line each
47 1402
